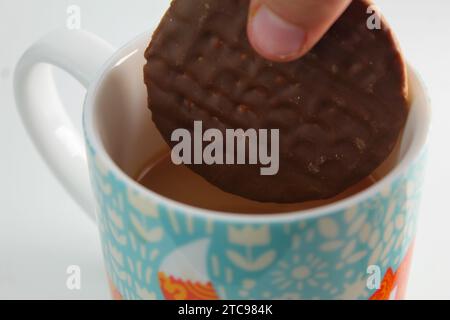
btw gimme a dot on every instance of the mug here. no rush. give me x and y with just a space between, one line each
156 248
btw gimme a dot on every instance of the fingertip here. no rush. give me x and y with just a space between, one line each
274 38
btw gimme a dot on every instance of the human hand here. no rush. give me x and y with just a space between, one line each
285 30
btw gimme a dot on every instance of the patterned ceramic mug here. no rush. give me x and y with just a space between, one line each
156 248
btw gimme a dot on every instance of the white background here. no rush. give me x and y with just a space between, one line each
42 231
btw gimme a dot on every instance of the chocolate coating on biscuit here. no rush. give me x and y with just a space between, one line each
340 109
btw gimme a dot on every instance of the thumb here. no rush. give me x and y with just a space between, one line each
285 30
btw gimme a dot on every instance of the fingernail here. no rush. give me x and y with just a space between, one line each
274 37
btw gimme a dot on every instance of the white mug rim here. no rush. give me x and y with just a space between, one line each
92 135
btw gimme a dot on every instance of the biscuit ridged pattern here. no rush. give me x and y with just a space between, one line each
340 109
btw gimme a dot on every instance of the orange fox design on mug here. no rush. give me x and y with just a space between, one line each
175 289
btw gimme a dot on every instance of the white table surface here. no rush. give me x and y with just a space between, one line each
42 231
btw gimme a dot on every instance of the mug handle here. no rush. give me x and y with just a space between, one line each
58 141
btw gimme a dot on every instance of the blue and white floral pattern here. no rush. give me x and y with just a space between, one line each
321 258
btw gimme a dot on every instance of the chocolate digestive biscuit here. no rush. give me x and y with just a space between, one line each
339 110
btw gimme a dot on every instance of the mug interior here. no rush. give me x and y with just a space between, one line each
120 122
122 118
